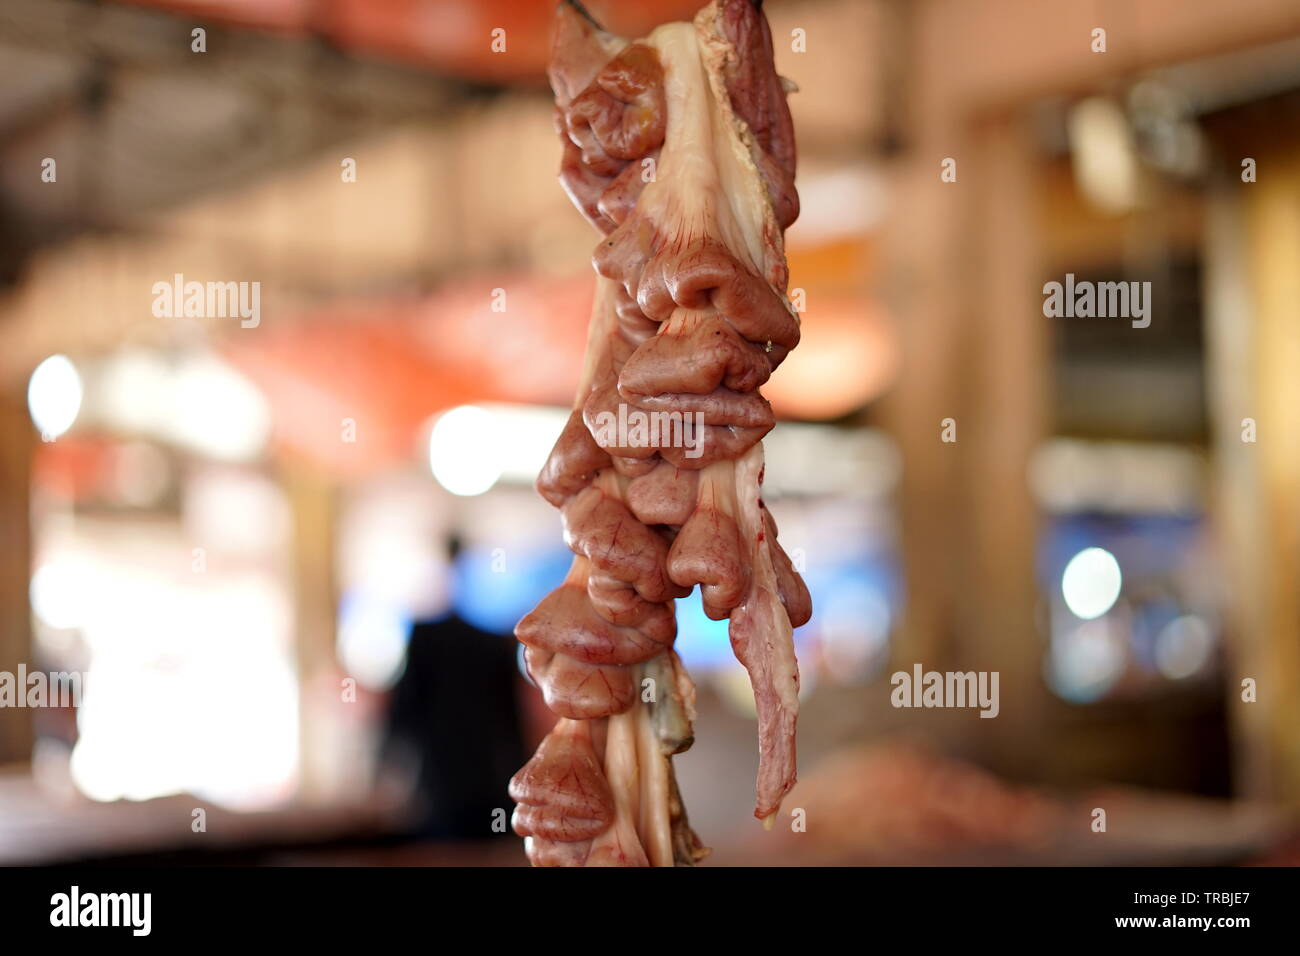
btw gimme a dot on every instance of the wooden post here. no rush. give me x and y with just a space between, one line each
1253 248
17 441
1006 401
313 505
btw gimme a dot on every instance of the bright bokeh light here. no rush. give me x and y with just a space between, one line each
59 592
372 641
197 401
54 396
135 392
464 450
1091 583
1106 164
1183 647
216 411
191 688
1085 662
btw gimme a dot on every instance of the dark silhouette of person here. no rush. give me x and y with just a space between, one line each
454 710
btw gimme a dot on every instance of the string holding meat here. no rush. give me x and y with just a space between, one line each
679 148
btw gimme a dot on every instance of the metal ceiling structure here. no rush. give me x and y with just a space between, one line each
138 122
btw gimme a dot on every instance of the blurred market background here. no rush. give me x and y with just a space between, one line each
231 529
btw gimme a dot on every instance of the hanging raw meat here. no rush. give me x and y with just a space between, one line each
680 150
